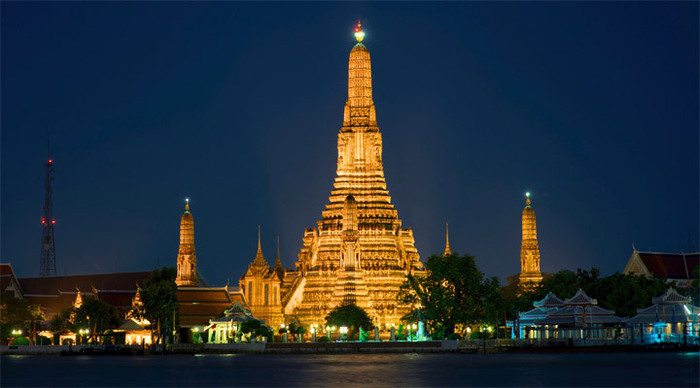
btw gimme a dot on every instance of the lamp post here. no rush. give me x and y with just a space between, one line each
343 333
283 331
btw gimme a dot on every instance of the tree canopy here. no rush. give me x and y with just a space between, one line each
159 296
620 292
452 292
350 315
96 315
17 314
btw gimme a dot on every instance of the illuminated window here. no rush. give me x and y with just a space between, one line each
267 294
250 292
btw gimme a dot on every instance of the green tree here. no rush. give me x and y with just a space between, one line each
295 328
256 329
695 284
18 314
96 315
452 292
159 295
622 293
626 293
351 316
62 322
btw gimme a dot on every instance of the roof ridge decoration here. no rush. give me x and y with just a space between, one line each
671 296
550 300
581 298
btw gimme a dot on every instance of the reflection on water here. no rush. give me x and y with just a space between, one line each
605 369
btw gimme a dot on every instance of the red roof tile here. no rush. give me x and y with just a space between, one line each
106 281
670 265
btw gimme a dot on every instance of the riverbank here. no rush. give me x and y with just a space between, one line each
447 346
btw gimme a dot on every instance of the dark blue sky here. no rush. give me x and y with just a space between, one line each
591 106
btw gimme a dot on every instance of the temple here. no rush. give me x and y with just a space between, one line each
186 257
529 248
358 252
262 285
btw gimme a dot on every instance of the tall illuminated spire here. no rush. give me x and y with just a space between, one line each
447 251
259 256
359 113
186 257
529 248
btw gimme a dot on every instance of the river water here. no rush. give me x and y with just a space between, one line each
553 369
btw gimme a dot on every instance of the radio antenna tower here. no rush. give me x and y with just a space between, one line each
48 246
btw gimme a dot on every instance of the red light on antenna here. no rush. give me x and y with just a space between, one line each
43 220
50 161
53 222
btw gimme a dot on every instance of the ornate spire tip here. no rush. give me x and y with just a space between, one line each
359 34
187 204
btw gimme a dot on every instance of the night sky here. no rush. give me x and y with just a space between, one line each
593 107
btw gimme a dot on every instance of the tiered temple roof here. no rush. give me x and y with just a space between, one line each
668 307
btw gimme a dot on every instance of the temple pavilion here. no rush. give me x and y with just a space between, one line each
672 317
578 317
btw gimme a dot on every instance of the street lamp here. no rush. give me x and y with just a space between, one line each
343 333
313 332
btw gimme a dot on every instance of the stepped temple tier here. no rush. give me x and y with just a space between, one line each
529 248
358 252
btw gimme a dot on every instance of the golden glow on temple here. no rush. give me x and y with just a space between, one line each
529 248
448 250
358 252
186 257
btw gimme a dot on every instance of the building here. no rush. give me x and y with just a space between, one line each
578 318
529 247
186 258
8 280
672 317
674 267
198 303
55 294
262 287
136 329
359 251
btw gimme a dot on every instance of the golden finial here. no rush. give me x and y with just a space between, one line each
187 204
259 244
447 251
528 201
359 34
